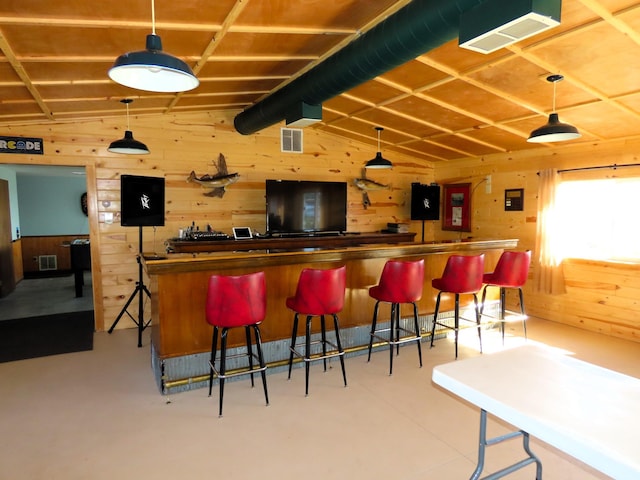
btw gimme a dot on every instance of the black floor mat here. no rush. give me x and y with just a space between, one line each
32 337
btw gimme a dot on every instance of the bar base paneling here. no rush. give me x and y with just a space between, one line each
190 372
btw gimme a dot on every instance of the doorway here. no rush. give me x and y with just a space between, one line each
46 287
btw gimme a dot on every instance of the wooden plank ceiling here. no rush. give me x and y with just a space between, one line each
449 103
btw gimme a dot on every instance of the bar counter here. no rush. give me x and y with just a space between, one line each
178 285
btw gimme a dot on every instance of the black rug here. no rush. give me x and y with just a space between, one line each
33 337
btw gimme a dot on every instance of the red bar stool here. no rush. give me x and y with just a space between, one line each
236 301
511 271
319 293
400 282
462 275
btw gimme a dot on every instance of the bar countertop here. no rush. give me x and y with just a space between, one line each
194 262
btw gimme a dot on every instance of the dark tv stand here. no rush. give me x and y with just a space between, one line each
288 243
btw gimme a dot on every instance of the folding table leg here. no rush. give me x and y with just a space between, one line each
484 442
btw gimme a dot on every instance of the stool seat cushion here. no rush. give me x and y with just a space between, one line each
511 270
462 274
236 300
319 292
400 282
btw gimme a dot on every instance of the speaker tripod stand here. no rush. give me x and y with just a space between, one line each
139 290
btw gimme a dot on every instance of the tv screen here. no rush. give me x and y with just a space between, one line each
297 206
142 201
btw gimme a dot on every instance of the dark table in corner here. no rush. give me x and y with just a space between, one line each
80 261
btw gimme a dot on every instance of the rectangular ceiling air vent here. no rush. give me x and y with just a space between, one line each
496 24
302 115
291 140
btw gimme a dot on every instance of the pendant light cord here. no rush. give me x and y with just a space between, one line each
379 129
127 104
554 79
153 17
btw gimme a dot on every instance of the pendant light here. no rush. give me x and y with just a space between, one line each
554 130
152 69
128 145
379 161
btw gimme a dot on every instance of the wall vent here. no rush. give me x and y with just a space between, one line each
291 140
48 262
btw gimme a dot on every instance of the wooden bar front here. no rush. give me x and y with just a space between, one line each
179 285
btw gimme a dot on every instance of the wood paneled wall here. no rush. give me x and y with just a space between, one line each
58 245
185 142
601 296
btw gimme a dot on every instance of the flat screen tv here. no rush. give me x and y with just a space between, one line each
142 201
299 206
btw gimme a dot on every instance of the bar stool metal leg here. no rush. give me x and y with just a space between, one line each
524 319
214 343
263 372
417 327
457 320
323 336
247 332
307 355
336 326
477 309
435 318
393 327
373 328
293 343
223 365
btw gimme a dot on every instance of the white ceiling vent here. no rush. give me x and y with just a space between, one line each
291 140
496 24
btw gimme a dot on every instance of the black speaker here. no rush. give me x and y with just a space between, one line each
425 202
141 201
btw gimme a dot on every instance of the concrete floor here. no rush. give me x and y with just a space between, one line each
46 296
99 415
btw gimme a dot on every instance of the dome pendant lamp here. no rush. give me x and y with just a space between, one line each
128 145
379 161
152 69
554 130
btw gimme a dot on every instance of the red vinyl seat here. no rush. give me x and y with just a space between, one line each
462 276
232 302
400 282
511 271
318 293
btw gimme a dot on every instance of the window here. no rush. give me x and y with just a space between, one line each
599 219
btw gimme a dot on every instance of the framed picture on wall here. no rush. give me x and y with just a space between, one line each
457 207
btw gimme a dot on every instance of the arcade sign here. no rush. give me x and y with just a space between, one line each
21 145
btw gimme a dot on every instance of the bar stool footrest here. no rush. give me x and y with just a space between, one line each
470 320
238 371
412 337
317 355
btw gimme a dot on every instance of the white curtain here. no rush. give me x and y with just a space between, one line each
548 274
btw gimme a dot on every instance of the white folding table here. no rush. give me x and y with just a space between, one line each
587 411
